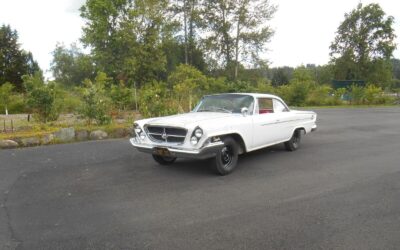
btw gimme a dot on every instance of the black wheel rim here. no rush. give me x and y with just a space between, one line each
296 139
226 156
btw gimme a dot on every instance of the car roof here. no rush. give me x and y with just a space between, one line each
256 95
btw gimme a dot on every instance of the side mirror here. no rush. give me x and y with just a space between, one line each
244 111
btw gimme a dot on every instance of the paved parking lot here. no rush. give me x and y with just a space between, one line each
340 190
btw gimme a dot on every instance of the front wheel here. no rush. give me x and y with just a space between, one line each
164 160
227 157
294 142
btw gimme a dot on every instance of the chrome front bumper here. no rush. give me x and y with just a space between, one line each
314 128
204 152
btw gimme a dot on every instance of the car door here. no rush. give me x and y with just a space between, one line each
284 120
265 126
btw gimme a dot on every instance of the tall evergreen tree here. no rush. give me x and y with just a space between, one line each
14 61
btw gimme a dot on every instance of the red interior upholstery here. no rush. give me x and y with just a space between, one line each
265 111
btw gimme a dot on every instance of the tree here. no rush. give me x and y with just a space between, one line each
126 37
396 68
14 61
363 45
187 81
70 66
188 14
41 97
5 95
281 75
237 31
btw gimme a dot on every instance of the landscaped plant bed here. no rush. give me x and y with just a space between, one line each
17 131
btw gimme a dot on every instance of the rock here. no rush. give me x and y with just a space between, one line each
98 135
47 139
65 134
30 141
119 133
8 144
82 135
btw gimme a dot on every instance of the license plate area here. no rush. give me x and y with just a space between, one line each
162 152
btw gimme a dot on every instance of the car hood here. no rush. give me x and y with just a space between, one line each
185 120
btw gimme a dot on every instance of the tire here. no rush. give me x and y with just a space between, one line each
162 160
227 157
294 142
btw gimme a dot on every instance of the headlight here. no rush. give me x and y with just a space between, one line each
139 132
198 132
194 140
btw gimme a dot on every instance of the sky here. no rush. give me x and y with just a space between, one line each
304 29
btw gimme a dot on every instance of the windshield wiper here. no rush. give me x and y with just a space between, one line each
214 109
225 110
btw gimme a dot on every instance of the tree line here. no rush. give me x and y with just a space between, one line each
162 55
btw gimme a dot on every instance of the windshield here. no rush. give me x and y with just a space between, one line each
232 103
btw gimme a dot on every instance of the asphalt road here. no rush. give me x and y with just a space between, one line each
340 190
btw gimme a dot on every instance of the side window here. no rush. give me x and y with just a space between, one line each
265 106
279 107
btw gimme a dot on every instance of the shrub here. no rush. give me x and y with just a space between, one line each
5 96
372 95
188 84
319 95
95 106
121 96
356 94
155 101
338 95
17 104
42 102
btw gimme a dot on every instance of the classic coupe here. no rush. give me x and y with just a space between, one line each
223 126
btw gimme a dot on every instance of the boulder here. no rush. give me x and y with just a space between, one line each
8 144
119 133
30 141
47 139
98 135
65 134
82 135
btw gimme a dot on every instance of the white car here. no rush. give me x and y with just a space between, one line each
223 126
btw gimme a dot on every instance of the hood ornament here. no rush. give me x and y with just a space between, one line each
164 135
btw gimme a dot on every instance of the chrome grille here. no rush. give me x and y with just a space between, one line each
166 134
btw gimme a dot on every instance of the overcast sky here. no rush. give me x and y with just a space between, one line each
303 29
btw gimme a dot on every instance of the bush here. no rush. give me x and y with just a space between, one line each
154 100
121 96
5 96
372 95
41 98
42 102
188 85
338 95
319 95
17 104
95 106
356 94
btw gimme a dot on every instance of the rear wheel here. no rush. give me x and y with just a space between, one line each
294 142
164 160
227 157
